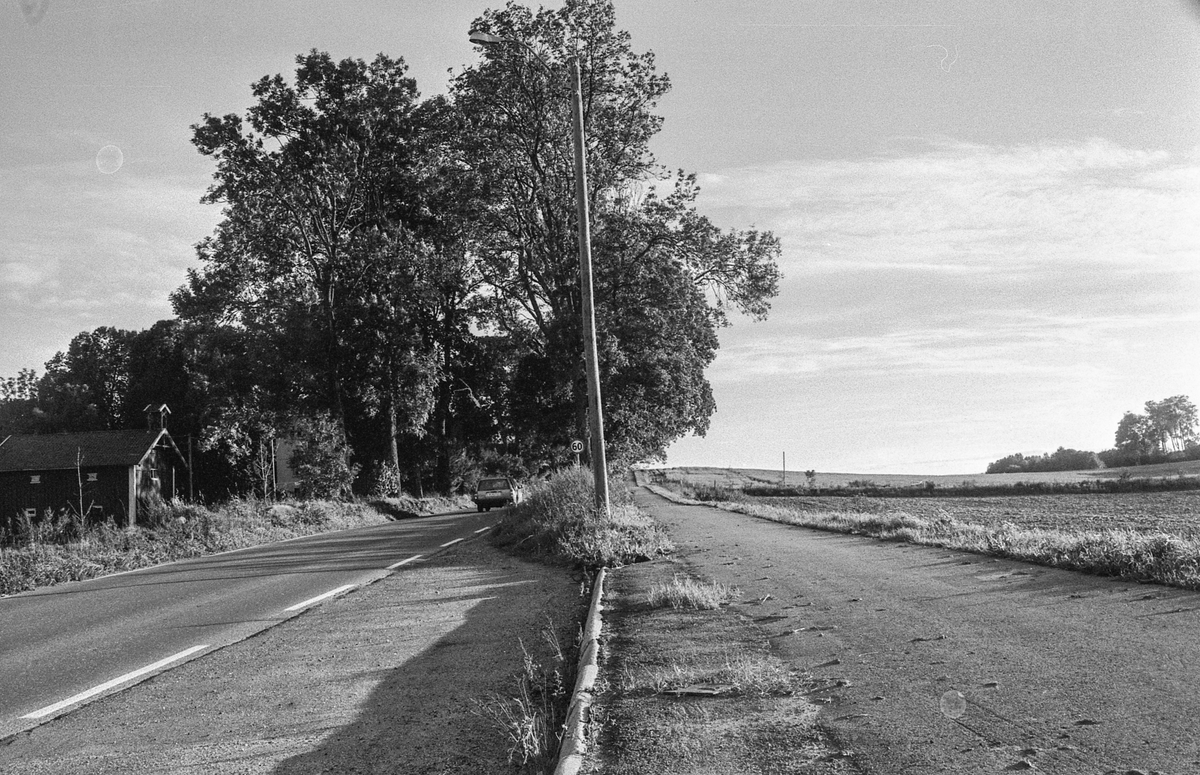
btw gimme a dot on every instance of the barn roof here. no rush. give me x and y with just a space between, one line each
54 451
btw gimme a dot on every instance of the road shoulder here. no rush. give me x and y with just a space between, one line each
765 723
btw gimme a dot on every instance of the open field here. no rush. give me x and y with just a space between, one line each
738 478
1140 535
1176 513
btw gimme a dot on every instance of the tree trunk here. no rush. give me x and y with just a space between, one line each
442 466
393 444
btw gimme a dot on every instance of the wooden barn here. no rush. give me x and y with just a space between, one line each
111 473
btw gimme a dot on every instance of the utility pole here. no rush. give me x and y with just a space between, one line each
595 410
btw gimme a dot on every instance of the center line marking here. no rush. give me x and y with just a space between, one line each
78 698
395 565
483 529
319 598
450 543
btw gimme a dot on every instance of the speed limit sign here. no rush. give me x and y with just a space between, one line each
577 446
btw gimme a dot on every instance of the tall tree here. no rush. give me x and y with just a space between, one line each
18 403
1172 422
1135 439
664 274
85 388
315 254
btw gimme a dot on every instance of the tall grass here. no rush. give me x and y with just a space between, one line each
532 716
745 672
1127 554
60 548
558 523
687 592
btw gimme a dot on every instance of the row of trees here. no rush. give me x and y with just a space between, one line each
1166 431
402 273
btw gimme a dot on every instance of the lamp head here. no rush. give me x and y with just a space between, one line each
480 38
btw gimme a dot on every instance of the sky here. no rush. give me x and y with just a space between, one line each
989 212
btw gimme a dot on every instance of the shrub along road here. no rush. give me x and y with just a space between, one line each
61 645
959 663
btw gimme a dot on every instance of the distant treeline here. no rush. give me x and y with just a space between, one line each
1165 433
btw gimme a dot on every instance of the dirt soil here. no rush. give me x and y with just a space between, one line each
768 725
1177 513
383 680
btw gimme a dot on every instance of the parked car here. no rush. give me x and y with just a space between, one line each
497 491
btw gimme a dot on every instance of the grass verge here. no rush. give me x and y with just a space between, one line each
1161 558
558 523
61 548
758 719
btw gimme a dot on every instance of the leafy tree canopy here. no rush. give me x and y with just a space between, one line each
665 276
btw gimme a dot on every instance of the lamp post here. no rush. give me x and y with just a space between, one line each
595 409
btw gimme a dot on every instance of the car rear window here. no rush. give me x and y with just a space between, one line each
493 484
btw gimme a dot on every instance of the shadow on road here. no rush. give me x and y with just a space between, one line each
422 716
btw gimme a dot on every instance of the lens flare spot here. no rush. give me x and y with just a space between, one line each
109 159
954 705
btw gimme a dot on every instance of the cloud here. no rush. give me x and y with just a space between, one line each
958 206
960 298
79 249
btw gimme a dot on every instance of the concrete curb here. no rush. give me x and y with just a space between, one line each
574 741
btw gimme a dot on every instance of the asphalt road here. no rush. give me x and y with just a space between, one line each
63 646
937 661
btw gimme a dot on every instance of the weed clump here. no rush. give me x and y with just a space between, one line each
558 523
690 593
532 718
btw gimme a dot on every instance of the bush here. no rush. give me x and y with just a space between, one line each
322 459
558 523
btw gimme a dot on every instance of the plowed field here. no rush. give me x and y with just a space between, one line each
1166 512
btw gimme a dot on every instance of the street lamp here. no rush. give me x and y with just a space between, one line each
595 411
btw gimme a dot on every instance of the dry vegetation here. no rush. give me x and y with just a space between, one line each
687 592
557 523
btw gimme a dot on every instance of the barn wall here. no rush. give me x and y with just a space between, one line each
59 491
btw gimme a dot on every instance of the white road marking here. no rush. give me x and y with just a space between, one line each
319 598
414 558
483 530
450 543
78 698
